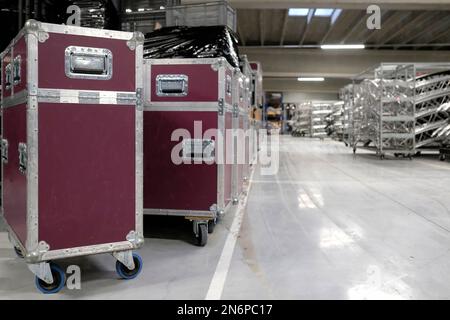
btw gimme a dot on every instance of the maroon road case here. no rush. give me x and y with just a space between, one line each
72 147
195 97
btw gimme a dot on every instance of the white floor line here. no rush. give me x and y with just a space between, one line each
223 266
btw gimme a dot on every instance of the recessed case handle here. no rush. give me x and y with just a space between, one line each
172 85
88 63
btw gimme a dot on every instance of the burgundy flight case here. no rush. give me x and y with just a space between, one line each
193 95
72 147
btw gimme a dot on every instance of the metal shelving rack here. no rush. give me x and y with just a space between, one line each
432 92
301 120
346 95
397 107
319 112
384 110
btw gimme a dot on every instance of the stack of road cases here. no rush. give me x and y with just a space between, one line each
257 100
188 115
72 147
250 136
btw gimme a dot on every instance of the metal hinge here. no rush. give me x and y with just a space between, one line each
139 98
220 106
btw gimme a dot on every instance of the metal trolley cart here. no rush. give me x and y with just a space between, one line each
72 147
187 118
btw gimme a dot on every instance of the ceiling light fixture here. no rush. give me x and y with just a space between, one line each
313 79
342 46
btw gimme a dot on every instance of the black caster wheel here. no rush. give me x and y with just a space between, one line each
18 252
211 225
59 280
202 237
382 157
442 157
354 150
396 155
126 273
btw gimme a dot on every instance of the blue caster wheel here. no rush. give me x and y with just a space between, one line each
126 273
59 279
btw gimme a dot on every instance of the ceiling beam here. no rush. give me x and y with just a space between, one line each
261 26
309 18
241 34
283 31
430 24
389 24
331 28
361 20
405 26
332 63
343 4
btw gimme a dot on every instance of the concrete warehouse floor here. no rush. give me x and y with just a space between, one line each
328 225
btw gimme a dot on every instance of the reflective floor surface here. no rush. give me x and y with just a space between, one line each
328 225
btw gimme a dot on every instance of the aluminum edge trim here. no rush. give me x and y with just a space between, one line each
139 118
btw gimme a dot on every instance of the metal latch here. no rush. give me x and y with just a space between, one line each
16 70
23 158
228 87
5 146
8 76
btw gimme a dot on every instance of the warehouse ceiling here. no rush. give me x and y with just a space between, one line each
401 29
288 46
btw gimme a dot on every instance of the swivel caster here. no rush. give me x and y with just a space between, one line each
382 157
59 279
202 235
126 273
211 225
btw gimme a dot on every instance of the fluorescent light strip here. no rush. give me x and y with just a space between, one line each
342 46
314 79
